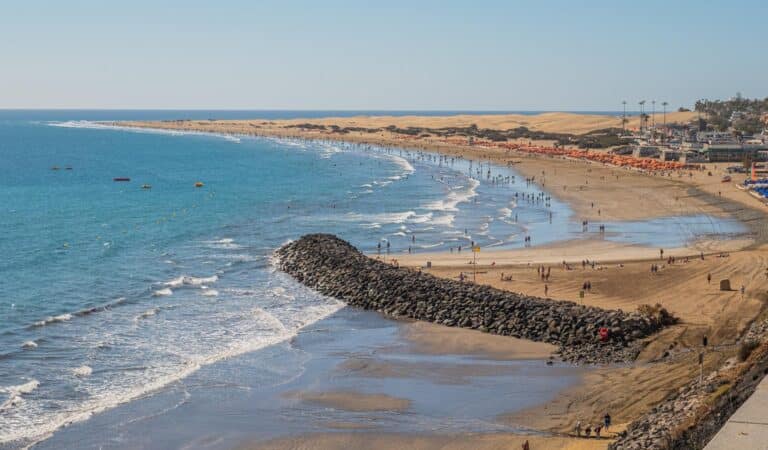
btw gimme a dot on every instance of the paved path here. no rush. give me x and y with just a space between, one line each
747 429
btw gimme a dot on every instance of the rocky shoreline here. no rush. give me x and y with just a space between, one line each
335 268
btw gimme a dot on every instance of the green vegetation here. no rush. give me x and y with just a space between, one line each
743 115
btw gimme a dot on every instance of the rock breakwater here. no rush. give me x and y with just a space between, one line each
335 268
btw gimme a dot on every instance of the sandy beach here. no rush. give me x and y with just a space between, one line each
621 278
376 441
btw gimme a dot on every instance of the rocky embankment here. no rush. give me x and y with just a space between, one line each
692 416
335 268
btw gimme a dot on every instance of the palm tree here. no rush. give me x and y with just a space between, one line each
664 105
623 117
642 105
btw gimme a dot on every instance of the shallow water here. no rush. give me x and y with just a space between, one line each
248 398
109 291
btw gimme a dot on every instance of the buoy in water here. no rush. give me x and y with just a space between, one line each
199 184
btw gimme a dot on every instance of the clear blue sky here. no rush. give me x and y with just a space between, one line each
329 54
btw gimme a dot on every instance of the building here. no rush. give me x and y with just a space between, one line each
716 137
728 152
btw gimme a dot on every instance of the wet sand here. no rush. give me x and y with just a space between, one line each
352 401
435 339
352 374
376 441
622 279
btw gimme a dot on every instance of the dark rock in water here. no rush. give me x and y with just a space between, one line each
335 268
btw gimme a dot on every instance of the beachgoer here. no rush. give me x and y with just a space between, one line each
577 428
598 427
526 445
546 289
607 421
587 431
709 278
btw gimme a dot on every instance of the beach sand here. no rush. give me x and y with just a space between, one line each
441 340
622 279
682 288
592 190
382 441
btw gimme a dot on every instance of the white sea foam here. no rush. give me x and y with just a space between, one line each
384 218
209 292
225 243
148 313
91 125
53 319
185 280
162 292
403 163
457 195
282 293
192 281
29 344
425 246
82 371
16 393
445 220
26 421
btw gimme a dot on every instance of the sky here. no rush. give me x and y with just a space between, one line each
379 55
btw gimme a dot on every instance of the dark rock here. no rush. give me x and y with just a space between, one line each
335 268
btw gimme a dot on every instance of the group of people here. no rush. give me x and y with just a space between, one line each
597 429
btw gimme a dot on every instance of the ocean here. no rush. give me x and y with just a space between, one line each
111 292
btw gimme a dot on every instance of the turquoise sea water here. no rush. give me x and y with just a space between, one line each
109 291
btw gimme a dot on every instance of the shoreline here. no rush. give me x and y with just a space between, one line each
697 194
679 197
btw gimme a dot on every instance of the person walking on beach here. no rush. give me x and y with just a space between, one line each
607 421
709 278
598 427
661 253
546 289
577 428
526 445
